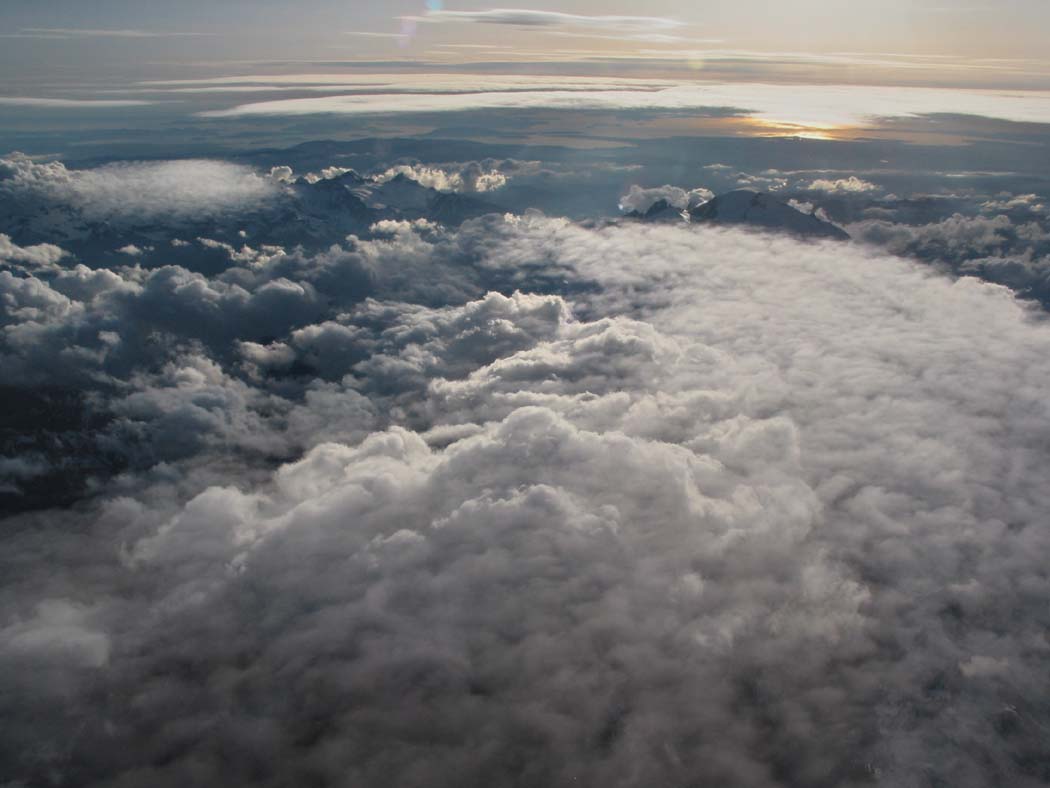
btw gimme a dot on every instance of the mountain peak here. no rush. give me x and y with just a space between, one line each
761 209
659 211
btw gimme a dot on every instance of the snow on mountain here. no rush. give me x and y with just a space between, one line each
759 209
745 207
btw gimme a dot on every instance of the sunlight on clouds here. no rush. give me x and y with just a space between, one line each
802 109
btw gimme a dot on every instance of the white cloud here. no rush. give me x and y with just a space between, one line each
520 17
327 173
139 190
282 174
850 185
40 255
956 237
717 520
802 207
1013 202
472 178
557 23
817 106
641 199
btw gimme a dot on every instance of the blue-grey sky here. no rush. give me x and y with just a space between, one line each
136 67
915 41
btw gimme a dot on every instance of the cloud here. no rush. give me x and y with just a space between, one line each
957 237
410 82
672 98
281 174
850 185
15 470
38 255
1014 252
80 32
369 34
556 23
143 191
1031 203
398 348
88 325
62 103
518 17
472 177
703 506
640 199
817 106
58 631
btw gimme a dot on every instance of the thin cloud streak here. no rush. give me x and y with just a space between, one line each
821 106
76 32
59 103
518 17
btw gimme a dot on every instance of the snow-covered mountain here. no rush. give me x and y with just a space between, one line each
659 211
745 207
759 209
308 212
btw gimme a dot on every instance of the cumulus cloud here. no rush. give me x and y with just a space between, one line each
37 255
282 174
702 507
326 174
472 177
954 239
850 185
86 324
1015 202
641 199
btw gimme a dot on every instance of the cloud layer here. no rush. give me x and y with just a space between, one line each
820 106
146 190
704 506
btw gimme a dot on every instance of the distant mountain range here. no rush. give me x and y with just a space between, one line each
311 213
749 208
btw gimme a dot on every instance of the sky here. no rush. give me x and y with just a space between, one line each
75 71
923 41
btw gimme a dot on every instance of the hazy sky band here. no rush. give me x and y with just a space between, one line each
896 42
813 105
